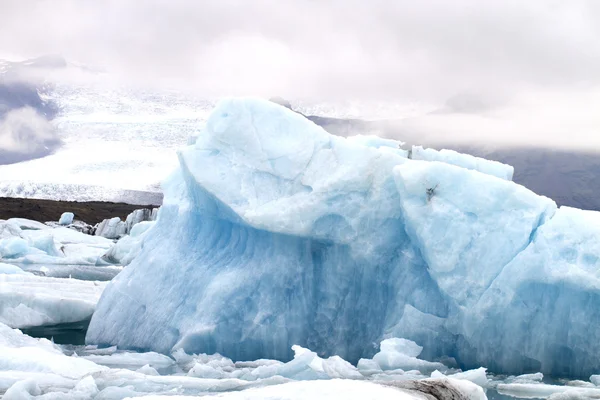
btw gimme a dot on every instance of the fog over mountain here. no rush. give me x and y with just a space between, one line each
511 73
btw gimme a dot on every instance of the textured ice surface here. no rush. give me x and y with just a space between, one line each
28 300
275 233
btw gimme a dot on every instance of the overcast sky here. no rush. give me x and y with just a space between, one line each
510 54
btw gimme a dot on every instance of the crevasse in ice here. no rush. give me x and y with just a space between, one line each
274 233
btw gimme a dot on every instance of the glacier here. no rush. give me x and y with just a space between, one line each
274 233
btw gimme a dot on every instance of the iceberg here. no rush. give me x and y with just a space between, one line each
274 233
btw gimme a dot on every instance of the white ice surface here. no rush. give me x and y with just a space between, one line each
29 300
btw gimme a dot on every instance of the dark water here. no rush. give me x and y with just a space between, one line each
71 333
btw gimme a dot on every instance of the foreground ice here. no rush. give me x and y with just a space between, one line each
27 300
38 369
341 389
293 236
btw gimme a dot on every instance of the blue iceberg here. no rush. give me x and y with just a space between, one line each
274 233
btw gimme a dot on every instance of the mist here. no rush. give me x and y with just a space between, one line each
528 70
26 134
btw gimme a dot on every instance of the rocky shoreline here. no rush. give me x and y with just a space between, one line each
91 212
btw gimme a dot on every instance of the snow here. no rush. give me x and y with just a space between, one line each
29 300
66 218
294 236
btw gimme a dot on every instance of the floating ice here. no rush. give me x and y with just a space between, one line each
66 218
114 228
402 354
28 300
132 360
128 247
274 233
61 245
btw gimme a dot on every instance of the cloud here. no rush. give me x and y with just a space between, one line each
334 48
483 58
25 134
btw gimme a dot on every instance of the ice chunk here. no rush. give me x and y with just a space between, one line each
28 300
112 228
402 354
51 246
477 376
66 218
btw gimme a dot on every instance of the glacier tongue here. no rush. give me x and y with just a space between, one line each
274 233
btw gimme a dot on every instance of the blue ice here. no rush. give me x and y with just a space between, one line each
275 233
